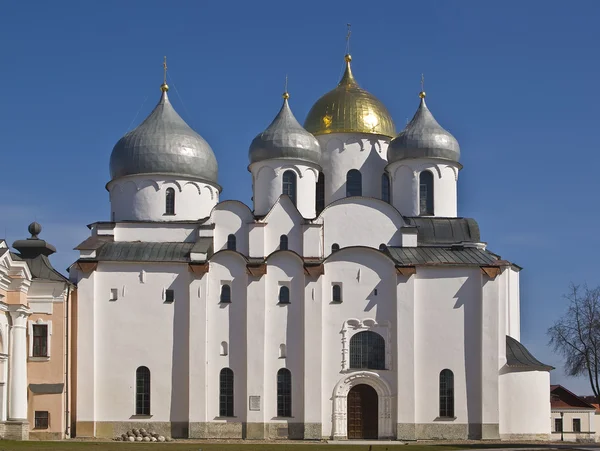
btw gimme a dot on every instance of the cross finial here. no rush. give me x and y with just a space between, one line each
422 93
164 87
348 33
285 90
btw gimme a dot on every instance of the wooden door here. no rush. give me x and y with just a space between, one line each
362 412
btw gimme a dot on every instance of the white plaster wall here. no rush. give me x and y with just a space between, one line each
231 217
514 304
361 222
405 186
525 403
267 182
360 272
283 219
284 325
345 151
142 198
448 335
140 329
226 323
162 233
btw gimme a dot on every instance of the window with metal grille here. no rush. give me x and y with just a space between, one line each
558 425
284 295
142 391
335 247
40 340
283 243
446 394
169 295
353 183
385 188
42 419
284 393
367 350
576 425
426 193
336 293
170 202
320 193
226 393
231 242
226 294
289 185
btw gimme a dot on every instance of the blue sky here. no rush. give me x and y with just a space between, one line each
516 83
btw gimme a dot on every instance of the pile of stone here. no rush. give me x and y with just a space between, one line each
141 435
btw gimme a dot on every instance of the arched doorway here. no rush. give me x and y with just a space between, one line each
362 412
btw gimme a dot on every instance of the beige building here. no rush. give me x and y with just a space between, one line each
573 418
48 340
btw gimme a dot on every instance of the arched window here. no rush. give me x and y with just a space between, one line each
170 202
385 187
282 354
426 193
231 242
225 294
284 393
320 193
289 185
446 394
336 293
284 295
283 243
226 393
142 391
335 247
367 350
353 183
224 348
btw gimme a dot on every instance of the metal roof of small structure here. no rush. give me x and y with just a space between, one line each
518 357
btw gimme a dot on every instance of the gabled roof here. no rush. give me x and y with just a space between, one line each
561 398
518 357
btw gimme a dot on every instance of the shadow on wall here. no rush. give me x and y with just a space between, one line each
180 357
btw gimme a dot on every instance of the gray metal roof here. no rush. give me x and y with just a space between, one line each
41 268
138 251
518 357
285 138
423 137
46 389
462 256
164 144
445 230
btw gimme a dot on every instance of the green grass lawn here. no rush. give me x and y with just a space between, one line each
183 446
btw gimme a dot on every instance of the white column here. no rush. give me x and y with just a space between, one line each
313 359
17 408
490 405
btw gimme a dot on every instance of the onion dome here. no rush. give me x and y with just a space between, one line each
423 137
349 109
285 138
164 144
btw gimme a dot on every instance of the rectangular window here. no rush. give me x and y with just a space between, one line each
40 340
114 294
576 425
169 295
41 419
558 425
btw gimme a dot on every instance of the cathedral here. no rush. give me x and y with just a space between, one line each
349 301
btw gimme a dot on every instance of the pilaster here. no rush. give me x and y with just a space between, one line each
490 401
17 407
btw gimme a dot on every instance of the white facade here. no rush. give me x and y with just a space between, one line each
359 319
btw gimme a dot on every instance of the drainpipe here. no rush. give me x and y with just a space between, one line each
67 373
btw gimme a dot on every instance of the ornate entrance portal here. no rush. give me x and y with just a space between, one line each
362 412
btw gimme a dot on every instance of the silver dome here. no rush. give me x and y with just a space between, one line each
285 138
423 137
164 144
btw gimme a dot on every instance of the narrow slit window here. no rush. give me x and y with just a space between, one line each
336 293
284 393
289 185
226 294
226 393
170 201
320 193
446 394
426 193
353 183
231 242
284 295
169 295
385 188
335 247
283 242
142 391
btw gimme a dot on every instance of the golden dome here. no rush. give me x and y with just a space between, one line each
349 109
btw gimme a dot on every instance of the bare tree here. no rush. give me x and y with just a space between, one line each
576 335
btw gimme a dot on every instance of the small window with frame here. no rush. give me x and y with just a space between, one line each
576 424
336 293
42 419
169 296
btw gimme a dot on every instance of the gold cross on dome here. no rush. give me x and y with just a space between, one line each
165 69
